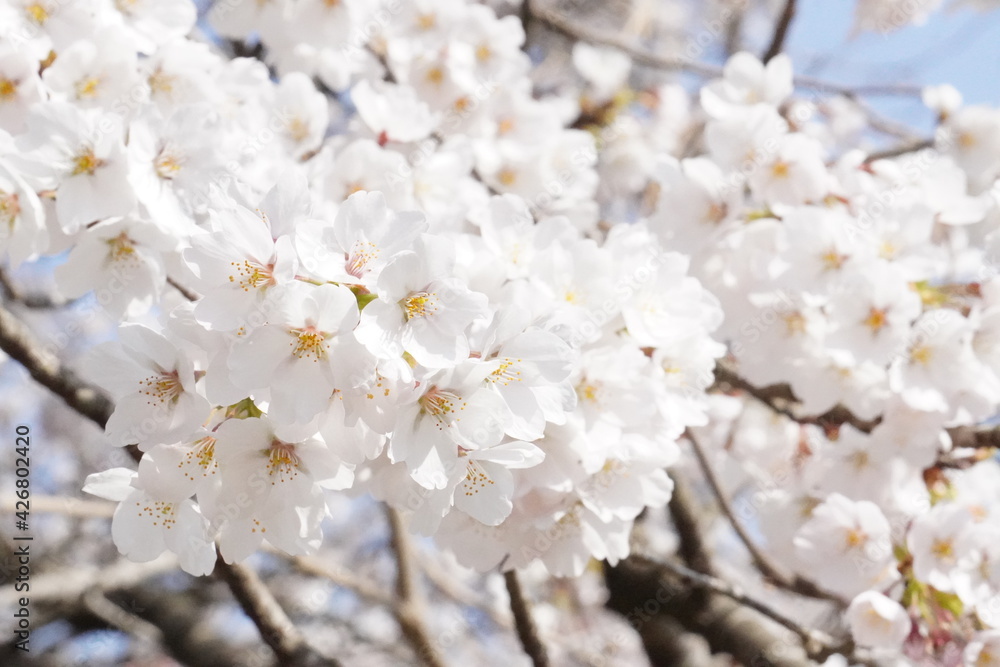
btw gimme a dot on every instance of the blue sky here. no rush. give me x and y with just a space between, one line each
959 47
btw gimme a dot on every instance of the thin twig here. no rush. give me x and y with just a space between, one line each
458 592
185 292
572 29
525 624
771 572
117 617
565 26
409 607
780 31
733 592
64 505
902 149
316 566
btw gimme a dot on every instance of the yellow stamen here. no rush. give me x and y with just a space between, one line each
282 462
943 550
832 260
876 320
921 354
855 538
362 254
10 208
250 275
86 163
476 478
167 166
435 75
162 512
37 13
201 454
420 304
507 177
8 89
795 323
87 87
161 389
506 373
298 129
159 82
121 248
309 343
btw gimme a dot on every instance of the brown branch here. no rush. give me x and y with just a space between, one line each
117 617
69 584
770 571
558 22
902 149
780 31
276 629
777 397
458 592
18 341
644 592
734 28
319 567
975 438
527 633
40 301
409 605
816 642
691 548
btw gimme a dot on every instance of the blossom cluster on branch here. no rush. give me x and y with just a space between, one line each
379 258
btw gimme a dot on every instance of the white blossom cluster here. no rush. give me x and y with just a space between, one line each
381 260
371 314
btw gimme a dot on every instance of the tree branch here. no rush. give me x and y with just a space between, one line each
117 617
409 608
185 292
643 591
770 571
775 398
18 341
780 31
318 567
692 548
560 23
276 629
527 633
39 301
815 641
902 149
